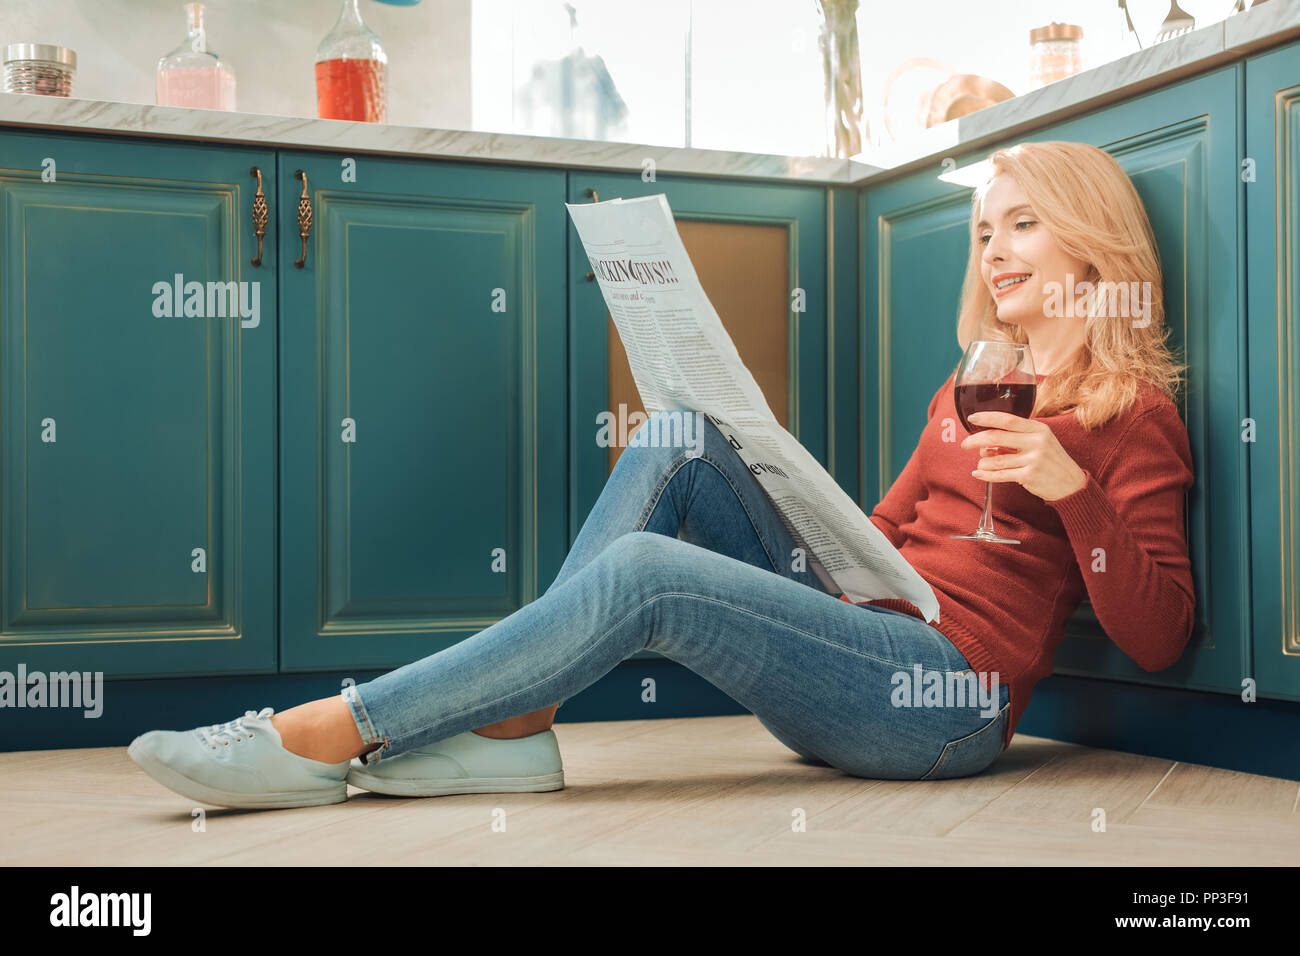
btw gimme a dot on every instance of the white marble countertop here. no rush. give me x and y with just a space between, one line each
1241 35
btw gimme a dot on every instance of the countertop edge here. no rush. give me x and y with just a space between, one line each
1273 24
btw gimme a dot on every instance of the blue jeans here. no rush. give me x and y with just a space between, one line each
729 601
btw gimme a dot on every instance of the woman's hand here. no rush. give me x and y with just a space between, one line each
1039 463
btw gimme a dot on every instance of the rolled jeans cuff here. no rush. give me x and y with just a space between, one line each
369 735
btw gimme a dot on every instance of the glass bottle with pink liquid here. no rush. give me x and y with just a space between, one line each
192 75
351 71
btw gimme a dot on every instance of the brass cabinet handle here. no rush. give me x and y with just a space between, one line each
261 213
304 218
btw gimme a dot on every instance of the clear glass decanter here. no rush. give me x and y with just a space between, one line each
192 75
351 71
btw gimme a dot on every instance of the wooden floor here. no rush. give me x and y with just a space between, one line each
714 790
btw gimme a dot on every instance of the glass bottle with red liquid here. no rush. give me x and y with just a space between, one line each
351 71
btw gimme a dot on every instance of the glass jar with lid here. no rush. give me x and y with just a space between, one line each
41 68
1054 53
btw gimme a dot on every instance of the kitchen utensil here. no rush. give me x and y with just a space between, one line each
1178 22
1129 29
905 103
962 94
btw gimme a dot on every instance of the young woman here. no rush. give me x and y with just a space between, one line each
684 554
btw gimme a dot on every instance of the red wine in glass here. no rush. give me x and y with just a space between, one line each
1014 398
993 377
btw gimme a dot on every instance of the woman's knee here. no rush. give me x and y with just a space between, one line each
647 556
667 435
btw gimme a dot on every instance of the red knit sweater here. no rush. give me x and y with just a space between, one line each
1005 606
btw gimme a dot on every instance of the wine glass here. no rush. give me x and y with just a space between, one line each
993 377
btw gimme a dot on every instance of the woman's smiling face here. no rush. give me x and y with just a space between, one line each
1016 246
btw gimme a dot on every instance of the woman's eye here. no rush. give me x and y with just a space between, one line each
1024 222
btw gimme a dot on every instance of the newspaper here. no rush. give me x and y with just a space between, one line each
682 358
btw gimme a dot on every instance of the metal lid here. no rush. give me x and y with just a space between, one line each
1056 31
41 51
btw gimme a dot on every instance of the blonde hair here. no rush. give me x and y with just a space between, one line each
1085 200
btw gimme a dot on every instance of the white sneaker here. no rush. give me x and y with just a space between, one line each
467 763
239 764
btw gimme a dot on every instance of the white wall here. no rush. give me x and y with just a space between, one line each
271 44
756 82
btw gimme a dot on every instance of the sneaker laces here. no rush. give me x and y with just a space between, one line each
222 734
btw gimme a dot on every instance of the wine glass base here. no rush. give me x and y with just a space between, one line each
984 536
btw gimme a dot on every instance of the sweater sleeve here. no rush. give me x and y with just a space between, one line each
898 506
1126 530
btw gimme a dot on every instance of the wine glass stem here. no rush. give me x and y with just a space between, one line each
986 519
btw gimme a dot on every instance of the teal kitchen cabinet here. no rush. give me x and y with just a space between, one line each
1179 146
137 408
761 251
1273 241
422 425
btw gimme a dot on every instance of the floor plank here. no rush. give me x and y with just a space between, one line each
1191 786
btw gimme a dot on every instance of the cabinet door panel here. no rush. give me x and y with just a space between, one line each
135 432
916 237
422 409
1273 222
1174 144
